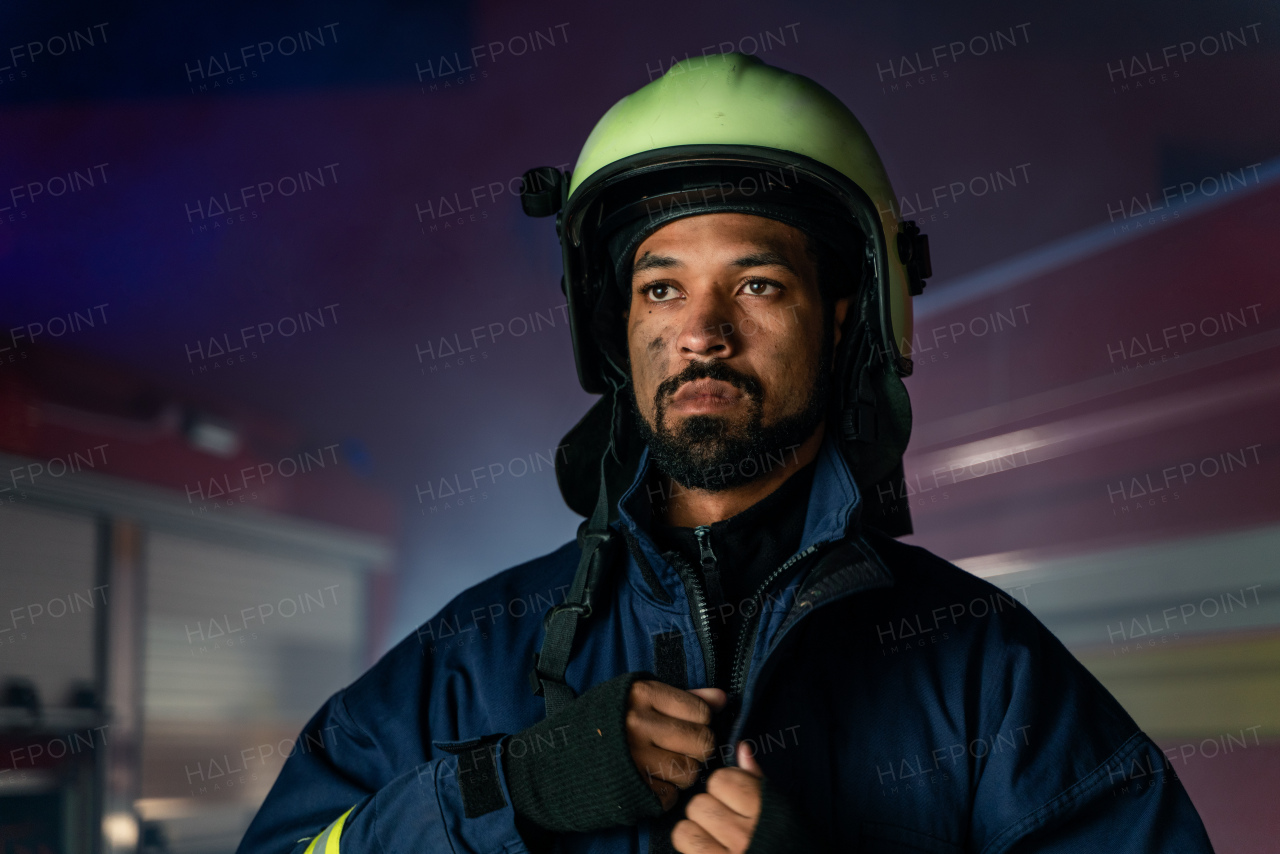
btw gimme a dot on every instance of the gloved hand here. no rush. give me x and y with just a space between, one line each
743 813
614 756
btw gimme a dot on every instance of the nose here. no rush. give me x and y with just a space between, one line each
707 328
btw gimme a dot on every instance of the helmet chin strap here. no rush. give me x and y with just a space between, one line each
601 546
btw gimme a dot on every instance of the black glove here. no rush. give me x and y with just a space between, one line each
573 771
781 828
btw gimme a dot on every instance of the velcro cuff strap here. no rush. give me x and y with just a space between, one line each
478 779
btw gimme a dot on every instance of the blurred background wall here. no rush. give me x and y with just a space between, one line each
267 300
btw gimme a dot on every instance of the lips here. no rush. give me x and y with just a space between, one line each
707 392
705 396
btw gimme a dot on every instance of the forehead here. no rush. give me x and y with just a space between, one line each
721 236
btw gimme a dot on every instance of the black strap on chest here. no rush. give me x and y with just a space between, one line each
600 546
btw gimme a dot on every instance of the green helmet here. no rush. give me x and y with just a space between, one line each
730 133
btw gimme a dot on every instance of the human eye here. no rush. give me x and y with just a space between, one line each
761 287
658 292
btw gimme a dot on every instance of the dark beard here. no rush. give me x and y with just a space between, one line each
706 452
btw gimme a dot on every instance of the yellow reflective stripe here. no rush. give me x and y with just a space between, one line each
327 842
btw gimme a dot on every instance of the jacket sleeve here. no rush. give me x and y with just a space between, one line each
343 790
1133 802
1074 774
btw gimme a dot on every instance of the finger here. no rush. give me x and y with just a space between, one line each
736 789
673 702
689 838
747 760
648 726
730 829
675 768
692 740
715 697
667 793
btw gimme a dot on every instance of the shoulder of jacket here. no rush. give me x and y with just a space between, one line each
554 568
925 582
920 566
399 676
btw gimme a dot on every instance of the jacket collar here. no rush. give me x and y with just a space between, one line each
835 505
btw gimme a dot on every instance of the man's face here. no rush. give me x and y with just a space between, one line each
725 334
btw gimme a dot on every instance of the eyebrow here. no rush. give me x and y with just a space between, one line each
765 258
649 261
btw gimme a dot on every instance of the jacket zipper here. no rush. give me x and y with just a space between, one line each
741 658
698 601
710 568
703 535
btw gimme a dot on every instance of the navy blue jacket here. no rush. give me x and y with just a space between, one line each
902 703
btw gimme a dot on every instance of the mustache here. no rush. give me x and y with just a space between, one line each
713 370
